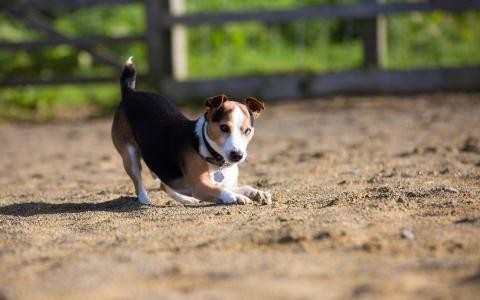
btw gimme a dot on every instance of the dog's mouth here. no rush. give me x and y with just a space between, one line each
224 160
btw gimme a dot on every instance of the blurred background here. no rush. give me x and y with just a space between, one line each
375 179
62 56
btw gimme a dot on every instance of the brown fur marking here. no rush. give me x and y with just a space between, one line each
213 128
198 178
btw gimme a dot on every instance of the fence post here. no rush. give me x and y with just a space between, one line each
374 39
179 43
159 48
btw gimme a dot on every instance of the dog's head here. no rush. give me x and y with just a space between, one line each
230 125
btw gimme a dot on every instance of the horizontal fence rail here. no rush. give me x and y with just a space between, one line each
64 80
161 23
56 5
344 12
74 42
295 86
361 82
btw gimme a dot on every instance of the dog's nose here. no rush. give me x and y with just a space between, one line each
236 155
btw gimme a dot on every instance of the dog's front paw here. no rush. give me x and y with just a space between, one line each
233 198
257 195
241 199
263 197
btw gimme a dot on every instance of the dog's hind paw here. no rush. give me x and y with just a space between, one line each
143 198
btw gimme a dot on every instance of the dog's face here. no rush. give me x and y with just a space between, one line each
230 125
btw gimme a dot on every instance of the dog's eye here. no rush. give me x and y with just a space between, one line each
247 131
225 128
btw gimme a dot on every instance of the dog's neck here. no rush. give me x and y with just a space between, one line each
206 147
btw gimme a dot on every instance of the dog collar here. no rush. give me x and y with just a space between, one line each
215 158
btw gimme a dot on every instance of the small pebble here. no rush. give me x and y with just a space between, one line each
322 235
471 144
444 171
407 234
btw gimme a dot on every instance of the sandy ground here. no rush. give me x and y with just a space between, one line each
373 198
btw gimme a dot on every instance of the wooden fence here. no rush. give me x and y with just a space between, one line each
161 22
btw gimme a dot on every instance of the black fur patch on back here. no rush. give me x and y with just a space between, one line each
161 131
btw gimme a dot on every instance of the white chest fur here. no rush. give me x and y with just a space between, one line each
226 177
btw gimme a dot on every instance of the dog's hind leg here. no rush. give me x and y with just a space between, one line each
124 141
133 167
154 176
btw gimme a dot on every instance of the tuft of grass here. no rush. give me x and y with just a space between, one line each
44 103
433 39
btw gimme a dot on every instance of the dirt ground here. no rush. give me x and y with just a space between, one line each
373 198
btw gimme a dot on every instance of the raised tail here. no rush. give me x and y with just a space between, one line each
127 77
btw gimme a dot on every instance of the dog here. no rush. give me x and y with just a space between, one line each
194 160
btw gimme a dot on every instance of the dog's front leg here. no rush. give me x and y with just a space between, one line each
198 178
230 183
252 193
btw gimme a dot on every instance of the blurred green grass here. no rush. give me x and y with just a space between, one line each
414 40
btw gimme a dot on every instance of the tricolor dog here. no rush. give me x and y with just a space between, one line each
195 160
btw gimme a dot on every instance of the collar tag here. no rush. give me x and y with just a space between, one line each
218 176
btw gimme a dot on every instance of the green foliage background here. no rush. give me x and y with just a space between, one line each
414 40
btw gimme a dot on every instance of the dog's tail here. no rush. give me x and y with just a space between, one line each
127 77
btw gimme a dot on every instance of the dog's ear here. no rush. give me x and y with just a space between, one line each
254 106
213 103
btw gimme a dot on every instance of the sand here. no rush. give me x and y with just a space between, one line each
373 198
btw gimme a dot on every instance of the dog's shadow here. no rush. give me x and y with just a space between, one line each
121 204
